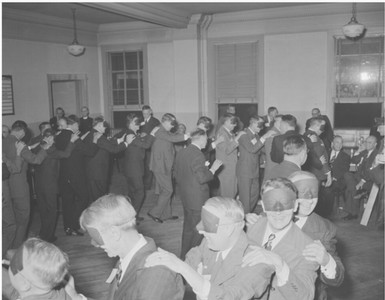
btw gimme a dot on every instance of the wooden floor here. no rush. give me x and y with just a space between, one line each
361 250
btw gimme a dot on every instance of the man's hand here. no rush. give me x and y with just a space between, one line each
258 255
239 134
164 258
216 165
122 139
97 136
83 136
268 134
143 134
360 185
329 180
74 138
313 138
35 145
154 130
48 142
316 252
251 219
130 138
220 139
323 159
19 147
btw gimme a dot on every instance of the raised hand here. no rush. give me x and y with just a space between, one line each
19 147
239 135
316 252
154 130
130 138
74 138
97 136
259 255
251 219
216 165
163 258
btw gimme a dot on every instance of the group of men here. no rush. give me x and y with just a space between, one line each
217 256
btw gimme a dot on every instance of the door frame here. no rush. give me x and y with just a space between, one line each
81 89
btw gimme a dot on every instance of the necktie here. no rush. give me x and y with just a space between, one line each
118 273
268 245
333 157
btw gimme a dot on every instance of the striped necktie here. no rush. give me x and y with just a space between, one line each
118 273
268 244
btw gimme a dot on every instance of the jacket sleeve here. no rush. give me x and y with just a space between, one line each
172 138
86 146
246 143
32 158
201 172
228 145
144 142
58 154
110 146
14 166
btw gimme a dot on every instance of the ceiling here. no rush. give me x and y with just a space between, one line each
114 12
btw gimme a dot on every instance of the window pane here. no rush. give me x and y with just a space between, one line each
132 80
118 97
118 80
116 61
131 60
349 69
140 60
132 96
349 47
371 46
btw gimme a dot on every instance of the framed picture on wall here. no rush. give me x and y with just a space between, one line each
8 100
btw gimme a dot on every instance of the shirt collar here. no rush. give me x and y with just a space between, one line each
252 131
223 253
196 146
278 235
127 259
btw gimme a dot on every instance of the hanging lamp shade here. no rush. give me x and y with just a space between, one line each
353 29
75 48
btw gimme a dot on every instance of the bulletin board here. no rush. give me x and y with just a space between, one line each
8 107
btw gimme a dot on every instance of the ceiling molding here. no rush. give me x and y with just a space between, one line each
157 13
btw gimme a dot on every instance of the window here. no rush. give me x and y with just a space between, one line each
359 69
126 74
236 73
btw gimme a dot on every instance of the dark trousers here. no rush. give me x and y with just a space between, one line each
190 235
47 206
96 189
327 197
136 191
353 205
74 201
148 176
248 189
163 188
21 209
8 218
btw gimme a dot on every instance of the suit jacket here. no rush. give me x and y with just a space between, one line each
53 123
316 150
303 273
227 150
229 280
140 283
319 228
364 163
268 125
47 173
340 165
97 165
62 139
135 153
269 164
276 153
18 180
192 177
85 125
284 169
328 134
149 125
73 168
249 153
163 152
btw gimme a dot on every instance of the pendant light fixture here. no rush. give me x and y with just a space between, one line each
353 29
75 49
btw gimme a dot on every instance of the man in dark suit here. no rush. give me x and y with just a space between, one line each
339 165
161 163
134 162
295 155
318 158
322 231
269 119
287 128
46 183
327 135
213 269
72 178
280 243
110 221
42 127
96 166
360 180
18 184
266 157
148 124
55 119
192 177
247 167
85 121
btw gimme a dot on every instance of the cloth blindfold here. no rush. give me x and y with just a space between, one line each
307 188
279 199
209 222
